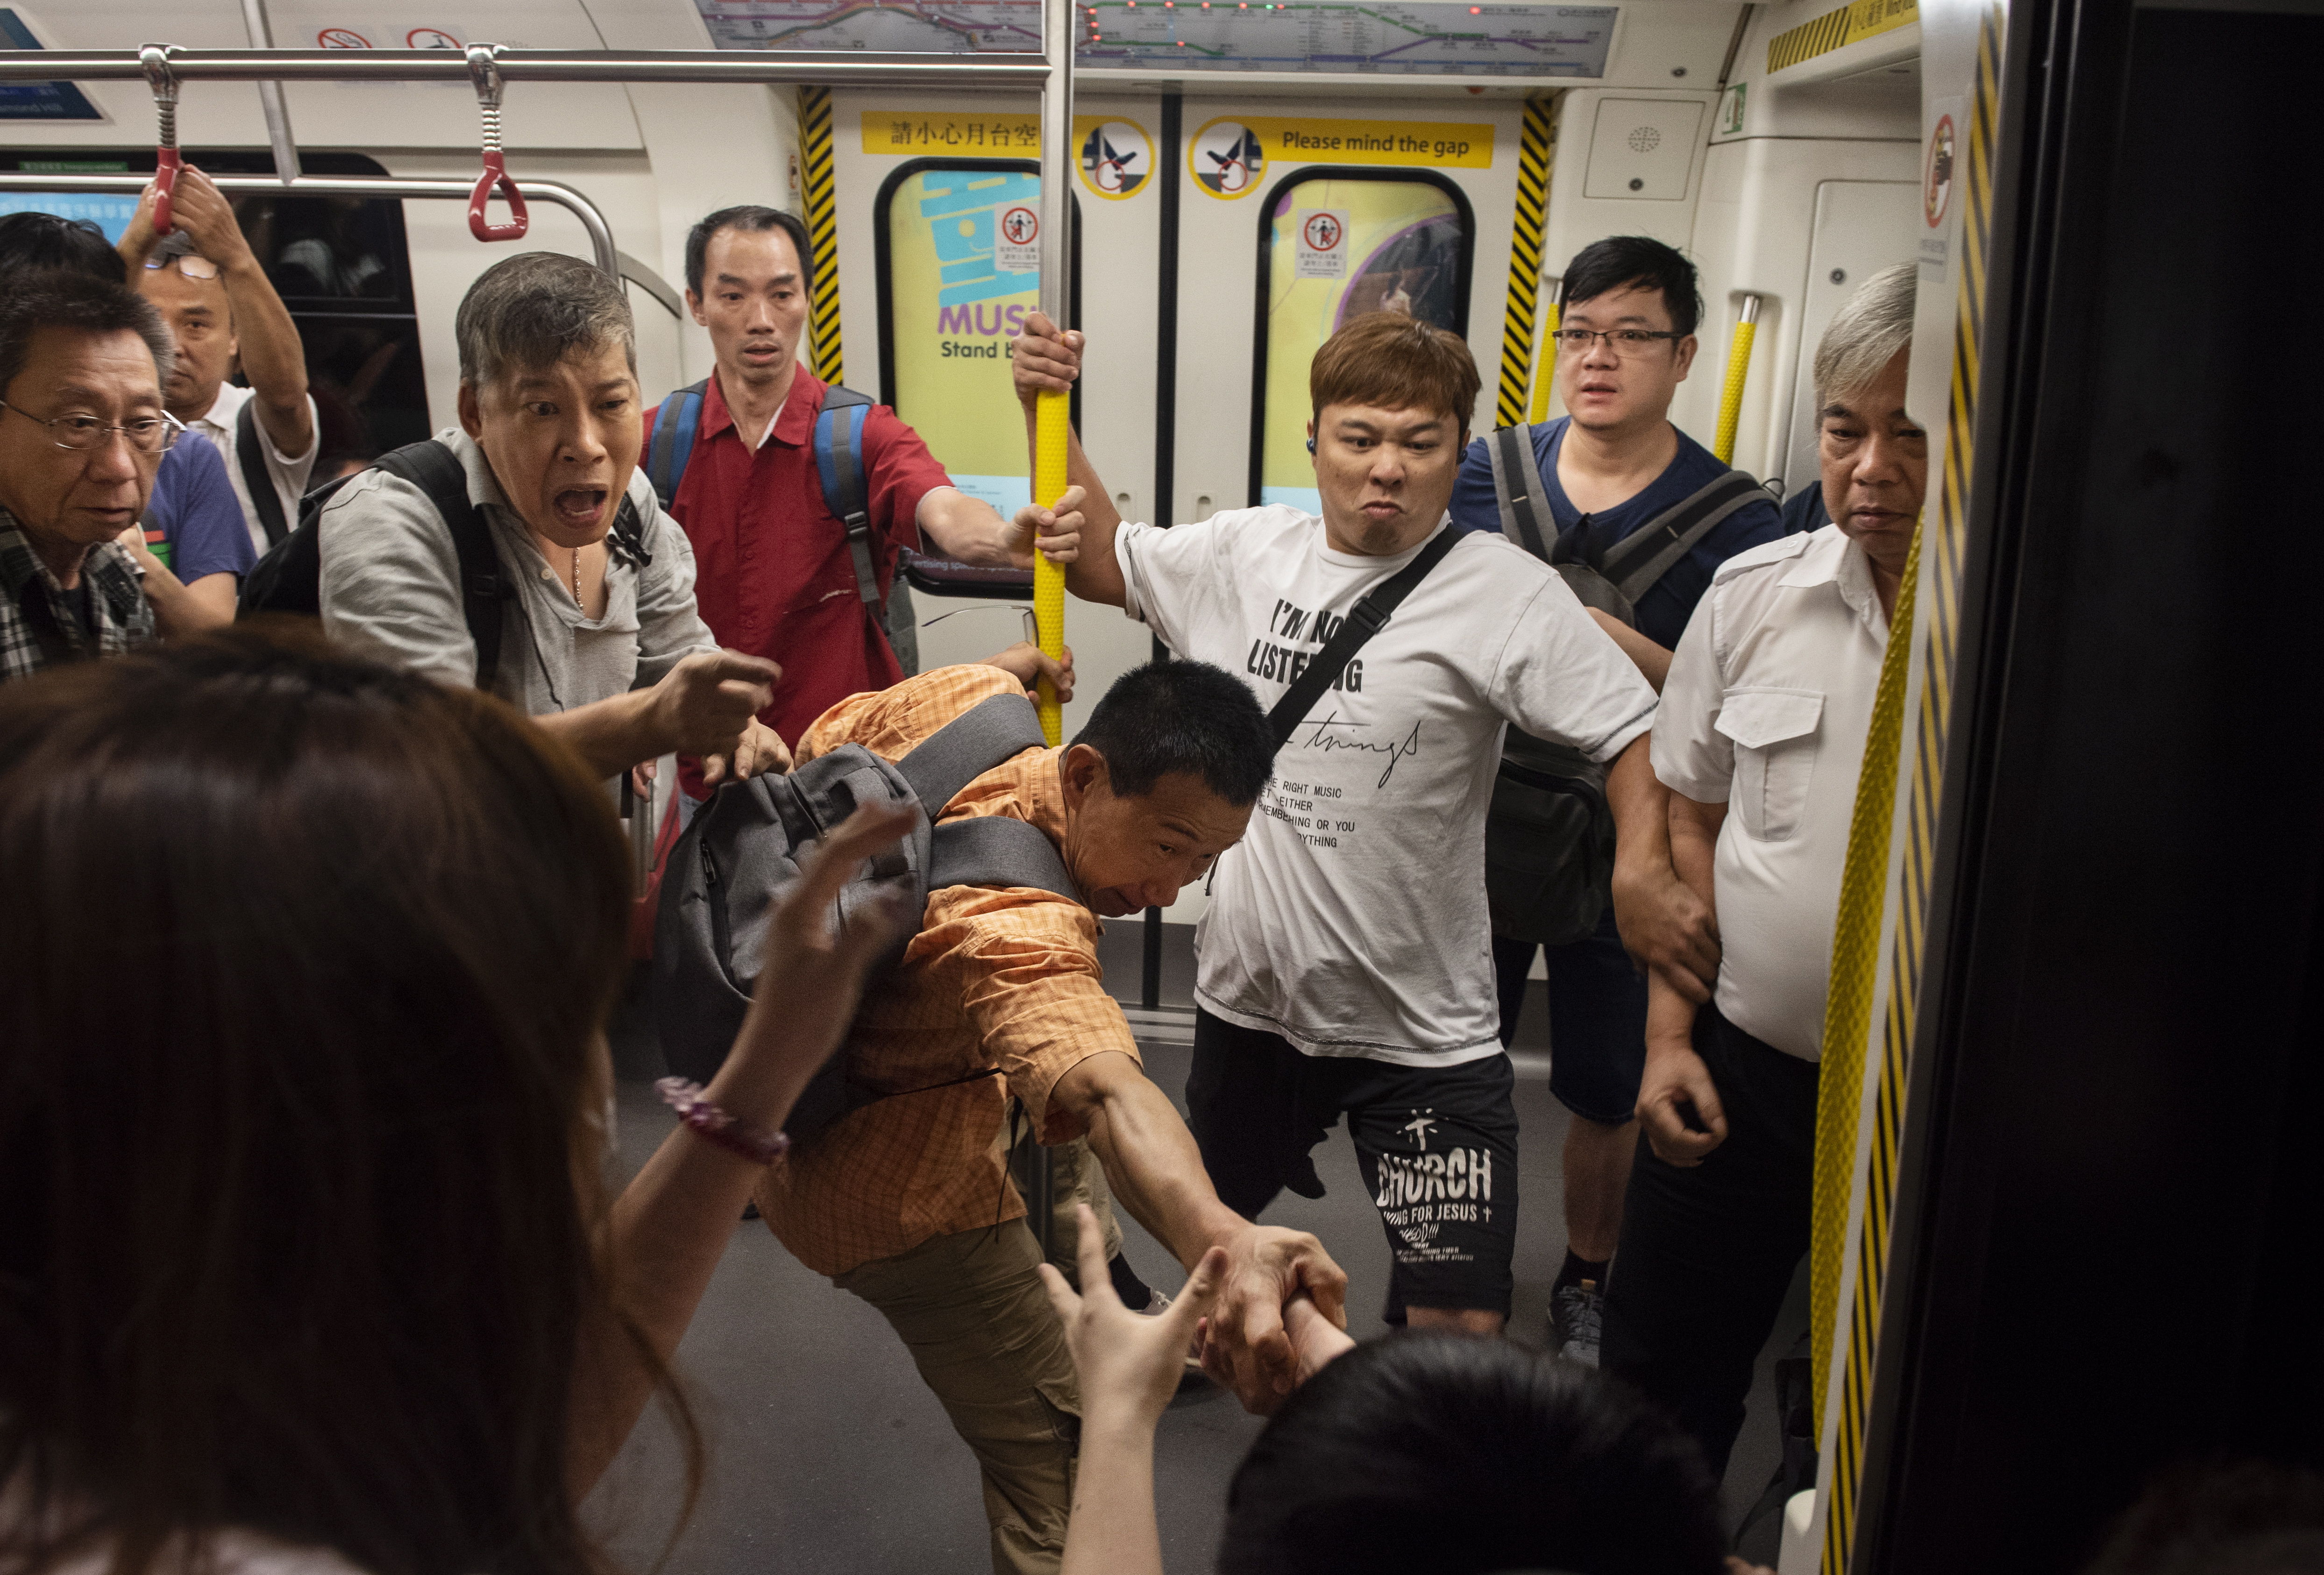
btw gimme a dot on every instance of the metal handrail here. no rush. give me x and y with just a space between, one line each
601 234
823 68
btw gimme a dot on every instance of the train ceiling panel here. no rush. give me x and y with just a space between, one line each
1643 148
339 114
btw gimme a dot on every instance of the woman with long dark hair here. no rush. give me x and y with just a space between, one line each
304 1258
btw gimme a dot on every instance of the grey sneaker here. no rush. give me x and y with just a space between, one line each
1577 1314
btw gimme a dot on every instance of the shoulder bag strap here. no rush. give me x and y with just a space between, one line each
673 440
1367 618
1639 559
434 470
1517 487
839 464
255 475
996 729
998 850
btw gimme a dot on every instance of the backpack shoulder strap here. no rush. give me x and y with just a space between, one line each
998 850
434 470
839 463
1518 489
252 459
1641 559
1366 619
996 729
672 443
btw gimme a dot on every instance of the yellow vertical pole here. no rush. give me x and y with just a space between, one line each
1051 419
1730 397
1051 416
1544 366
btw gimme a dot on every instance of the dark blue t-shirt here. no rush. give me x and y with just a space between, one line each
1803 511
1664 610
194 508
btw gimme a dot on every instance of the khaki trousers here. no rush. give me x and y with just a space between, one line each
971 1310
1076 1177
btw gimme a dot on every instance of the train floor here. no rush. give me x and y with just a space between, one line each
827 1455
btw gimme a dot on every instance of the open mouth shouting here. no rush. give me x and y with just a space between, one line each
579 510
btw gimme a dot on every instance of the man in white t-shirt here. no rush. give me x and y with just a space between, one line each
213 293
1760 739
1345 963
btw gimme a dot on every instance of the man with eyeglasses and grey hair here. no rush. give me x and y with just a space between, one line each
596 637
1760 738
214 294
82 431
1605 471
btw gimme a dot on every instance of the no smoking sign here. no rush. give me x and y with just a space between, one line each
1323 248
1016 239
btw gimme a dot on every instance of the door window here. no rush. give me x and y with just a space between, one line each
1333 244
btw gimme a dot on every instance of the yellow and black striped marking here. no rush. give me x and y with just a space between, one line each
1536 153
1837 29
822 231
1942 622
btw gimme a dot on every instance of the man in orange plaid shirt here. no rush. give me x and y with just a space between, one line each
907 1201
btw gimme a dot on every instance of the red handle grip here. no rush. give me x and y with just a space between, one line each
496 174
166 165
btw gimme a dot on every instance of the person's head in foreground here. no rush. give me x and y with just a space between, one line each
549 389
1625 334
81 367
2252 1517
301 1116
1160 781
1874 456
1392 398
1423 1452
1450 1454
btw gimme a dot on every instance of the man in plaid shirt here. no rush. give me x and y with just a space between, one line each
81 433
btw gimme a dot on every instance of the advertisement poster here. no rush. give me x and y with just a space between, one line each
1342 248
963 258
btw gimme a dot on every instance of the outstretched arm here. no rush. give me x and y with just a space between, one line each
1044 359
267 341
1156 1171
971 531
670 1226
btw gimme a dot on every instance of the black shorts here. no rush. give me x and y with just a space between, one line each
1597 1019
1438 1146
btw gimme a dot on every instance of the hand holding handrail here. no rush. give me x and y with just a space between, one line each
484 70
155 59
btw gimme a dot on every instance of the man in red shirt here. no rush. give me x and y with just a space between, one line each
774 576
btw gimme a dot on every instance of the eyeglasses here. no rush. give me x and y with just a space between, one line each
191 266
148 435
1624 342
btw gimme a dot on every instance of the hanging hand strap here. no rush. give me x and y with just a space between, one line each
167 161
1368 617
484 70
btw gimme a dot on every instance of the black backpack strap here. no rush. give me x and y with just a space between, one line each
255 475
1517 488
437 471
839 463
1639 559
998 850
672 443
999 728
1367 618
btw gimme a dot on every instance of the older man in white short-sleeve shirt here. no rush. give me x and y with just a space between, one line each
1759 738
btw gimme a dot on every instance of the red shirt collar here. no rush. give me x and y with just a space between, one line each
794 426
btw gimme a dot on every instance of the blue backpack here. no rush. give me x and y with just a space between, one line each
838 462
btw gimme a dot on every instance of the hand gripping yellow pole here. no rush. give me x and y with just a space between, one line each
1050 418
1730 397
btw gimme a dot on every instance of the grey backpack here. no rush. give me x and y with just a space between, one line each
730 864
1549 834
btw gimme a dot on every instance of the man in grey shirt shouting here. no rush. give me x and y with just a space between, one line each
600 641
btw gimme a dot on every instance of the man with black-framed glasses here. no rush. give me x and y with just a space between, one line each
1611 466
82 430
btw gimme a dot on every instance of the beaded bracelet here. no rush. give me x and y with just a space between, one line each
702 1117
